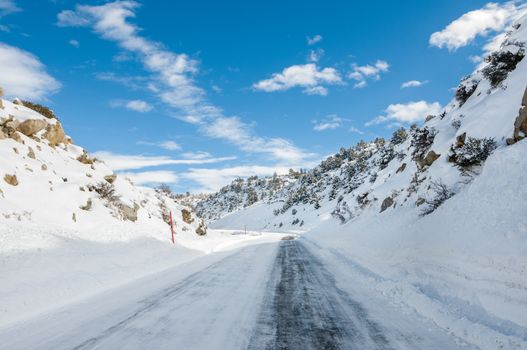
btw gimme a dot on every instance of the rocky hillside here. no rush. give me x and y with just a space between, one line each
418 168
45 179
242 193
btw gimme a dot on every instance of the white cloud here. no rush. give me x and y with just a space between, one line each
356 130
307 76
462 31
139 106
238 133
23 75
152 177
127 162
74 43
315 55
133 105
196 155
362 74
313 40
170 145
172 74
328 123
7 7
411 112
413 83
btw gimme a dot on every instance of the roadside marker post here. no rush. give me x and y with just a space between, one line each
172 228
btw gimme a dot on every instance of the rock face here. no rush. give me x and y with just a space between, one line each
31 126
401 168
111 178
186 216
55 134
84 158
127 212
430 158
201 230
520 124
386 203
11 179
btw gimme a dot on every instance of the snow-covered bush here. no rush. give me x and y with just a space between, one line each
342 212
464 91
422 140
500 63
399 136
474 151
456 124
441 194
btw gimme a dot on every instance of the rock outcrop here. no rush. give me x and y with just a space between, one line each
520 124
32 126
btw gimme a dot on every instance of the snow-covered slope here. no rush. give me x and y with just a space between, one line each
434 218
243 193
49 181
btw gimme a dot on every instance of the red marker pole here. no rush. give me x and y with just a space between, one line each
172 227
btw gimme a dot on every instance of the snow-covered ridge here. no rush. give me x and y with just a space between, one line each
415 165
48 181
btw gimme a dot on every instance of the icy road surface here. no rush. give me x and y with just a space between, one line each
278 295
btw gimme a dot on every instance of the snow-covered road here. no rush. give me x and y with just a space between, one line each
273 295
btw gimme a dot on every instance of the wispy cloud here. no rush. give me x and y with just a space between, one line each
74 43
8 7
491 18
169 145
314 39
152 177
127 162
307 76
330 122
413 83
361 74
238 133
23 75
139 106
356 130
406 113
315 55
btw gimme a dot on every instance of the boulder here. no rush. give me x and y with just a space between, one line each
11 179
460 140
31 126
386 203
55 134
88 204
520 124
201 230
84 158
186 216
401 168
430 158
31 153
110 178
127 212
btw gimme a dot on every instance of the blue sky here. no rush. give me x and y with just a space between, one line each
196 93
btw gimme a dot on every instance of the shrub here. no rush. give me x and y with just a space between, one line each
463 92
422 140
473 152
500 64
164 189
456 124
45 111
442 193
399 136
106 191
